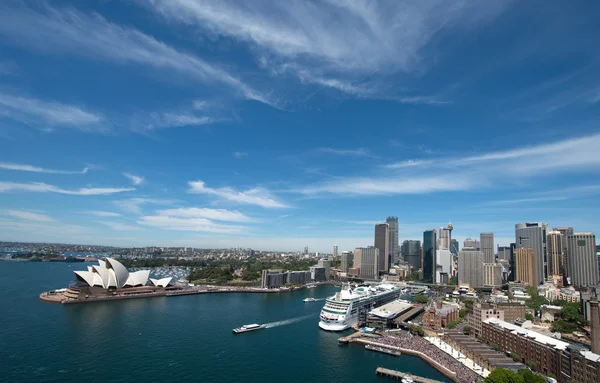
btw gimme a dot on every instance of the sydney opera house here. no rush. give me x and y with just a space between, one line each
111 279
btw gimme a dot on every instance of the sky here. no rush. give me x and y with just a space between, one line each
282 124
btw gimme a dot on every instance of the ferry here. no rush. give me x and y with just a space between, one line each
341 311
309 299
248 327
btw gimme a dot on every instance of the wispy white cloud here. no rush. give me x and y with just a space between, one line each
204 213
118 226
60 31
359 152
134 205
407 164
40 187
48 114
100 213
189 224
256 196
240 154
136 180
29 216
36 169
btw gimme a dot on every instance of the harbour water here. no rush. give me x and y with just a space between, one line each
186 338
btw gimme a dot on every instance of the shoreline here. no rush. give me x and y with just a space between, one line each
53 297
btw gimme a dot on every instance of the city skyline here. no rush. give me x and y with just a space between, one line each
275 128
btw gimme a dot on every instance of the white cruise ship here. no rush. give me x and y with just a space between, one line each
341 311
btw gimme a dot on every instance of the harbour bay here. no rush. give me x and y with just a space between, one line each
178 338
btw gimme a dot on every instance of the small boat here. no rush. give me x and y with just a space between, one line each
407 379
248 327
309 299
310 286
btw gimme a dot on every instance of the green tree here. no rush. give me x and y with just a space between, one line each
502 375
453 324
515 356
536 300
415 275
463 312
469 303
529 317
531 364
421 299
453 281
531 377
467 330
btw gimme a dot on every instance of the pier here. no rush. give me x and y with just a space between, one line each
398 375
385 350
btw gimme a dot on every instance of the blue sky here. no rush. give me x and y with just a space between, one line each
276 125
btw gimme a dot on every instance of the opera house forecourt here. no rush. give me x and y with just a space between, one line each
109 280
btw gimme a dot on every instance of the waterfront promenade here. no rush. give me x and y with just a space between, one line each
470 364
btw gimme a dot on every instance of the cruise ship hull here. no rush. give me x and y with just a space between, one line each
334 326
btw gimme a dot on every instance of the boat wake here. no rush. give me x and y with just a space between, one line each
288 321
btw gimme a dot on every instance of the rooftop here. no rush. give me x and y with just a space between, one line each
392 309
540 338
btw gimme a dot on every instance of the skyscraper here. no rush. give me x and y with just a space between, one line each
525 267
486 241
471 243
444 238
369 261
565 231
504 253
347 259
305 250
411 251
393 249
470 267
326 264
532 235
492 274
454 246
335 252
555 253
429 255
583 261
382 240
512 262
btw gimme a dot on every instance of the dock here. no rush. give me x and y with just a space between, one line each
384 350
398 375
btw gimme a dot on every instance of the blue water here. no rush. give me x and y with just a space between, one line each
184 339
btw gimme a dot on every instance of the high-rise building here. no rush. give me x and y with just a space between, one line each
444 238
326 264
411 251
583 260
471 243
532 235
595 325
492 274
525 267
555 254
504 253
512 262
565 231
486 241
347 259
393 248
335 252
429 255
369 261
454 248
470 267
382 240
305 250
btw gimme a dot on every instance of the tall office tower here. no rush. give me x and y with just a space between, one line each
565 231
444 238
369 262
512 262
335 252
583 261
347 259
326 264
382 242
305 250
504 253
454 246
555 253
492 274
471 243
470 267
429 255
532 235
487 246
393 248
411 251
595 324
525 265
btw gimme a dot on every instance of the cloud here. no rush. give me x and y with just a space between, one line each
214 214
134 205
240 154
175 119
51 114
36 169
256 196
359 152
117 226
60 31
99 213
406 164
30 216
40 187
189 224
136 180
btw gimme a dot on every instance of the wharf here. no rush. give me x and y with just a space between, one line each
384 350
398 375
